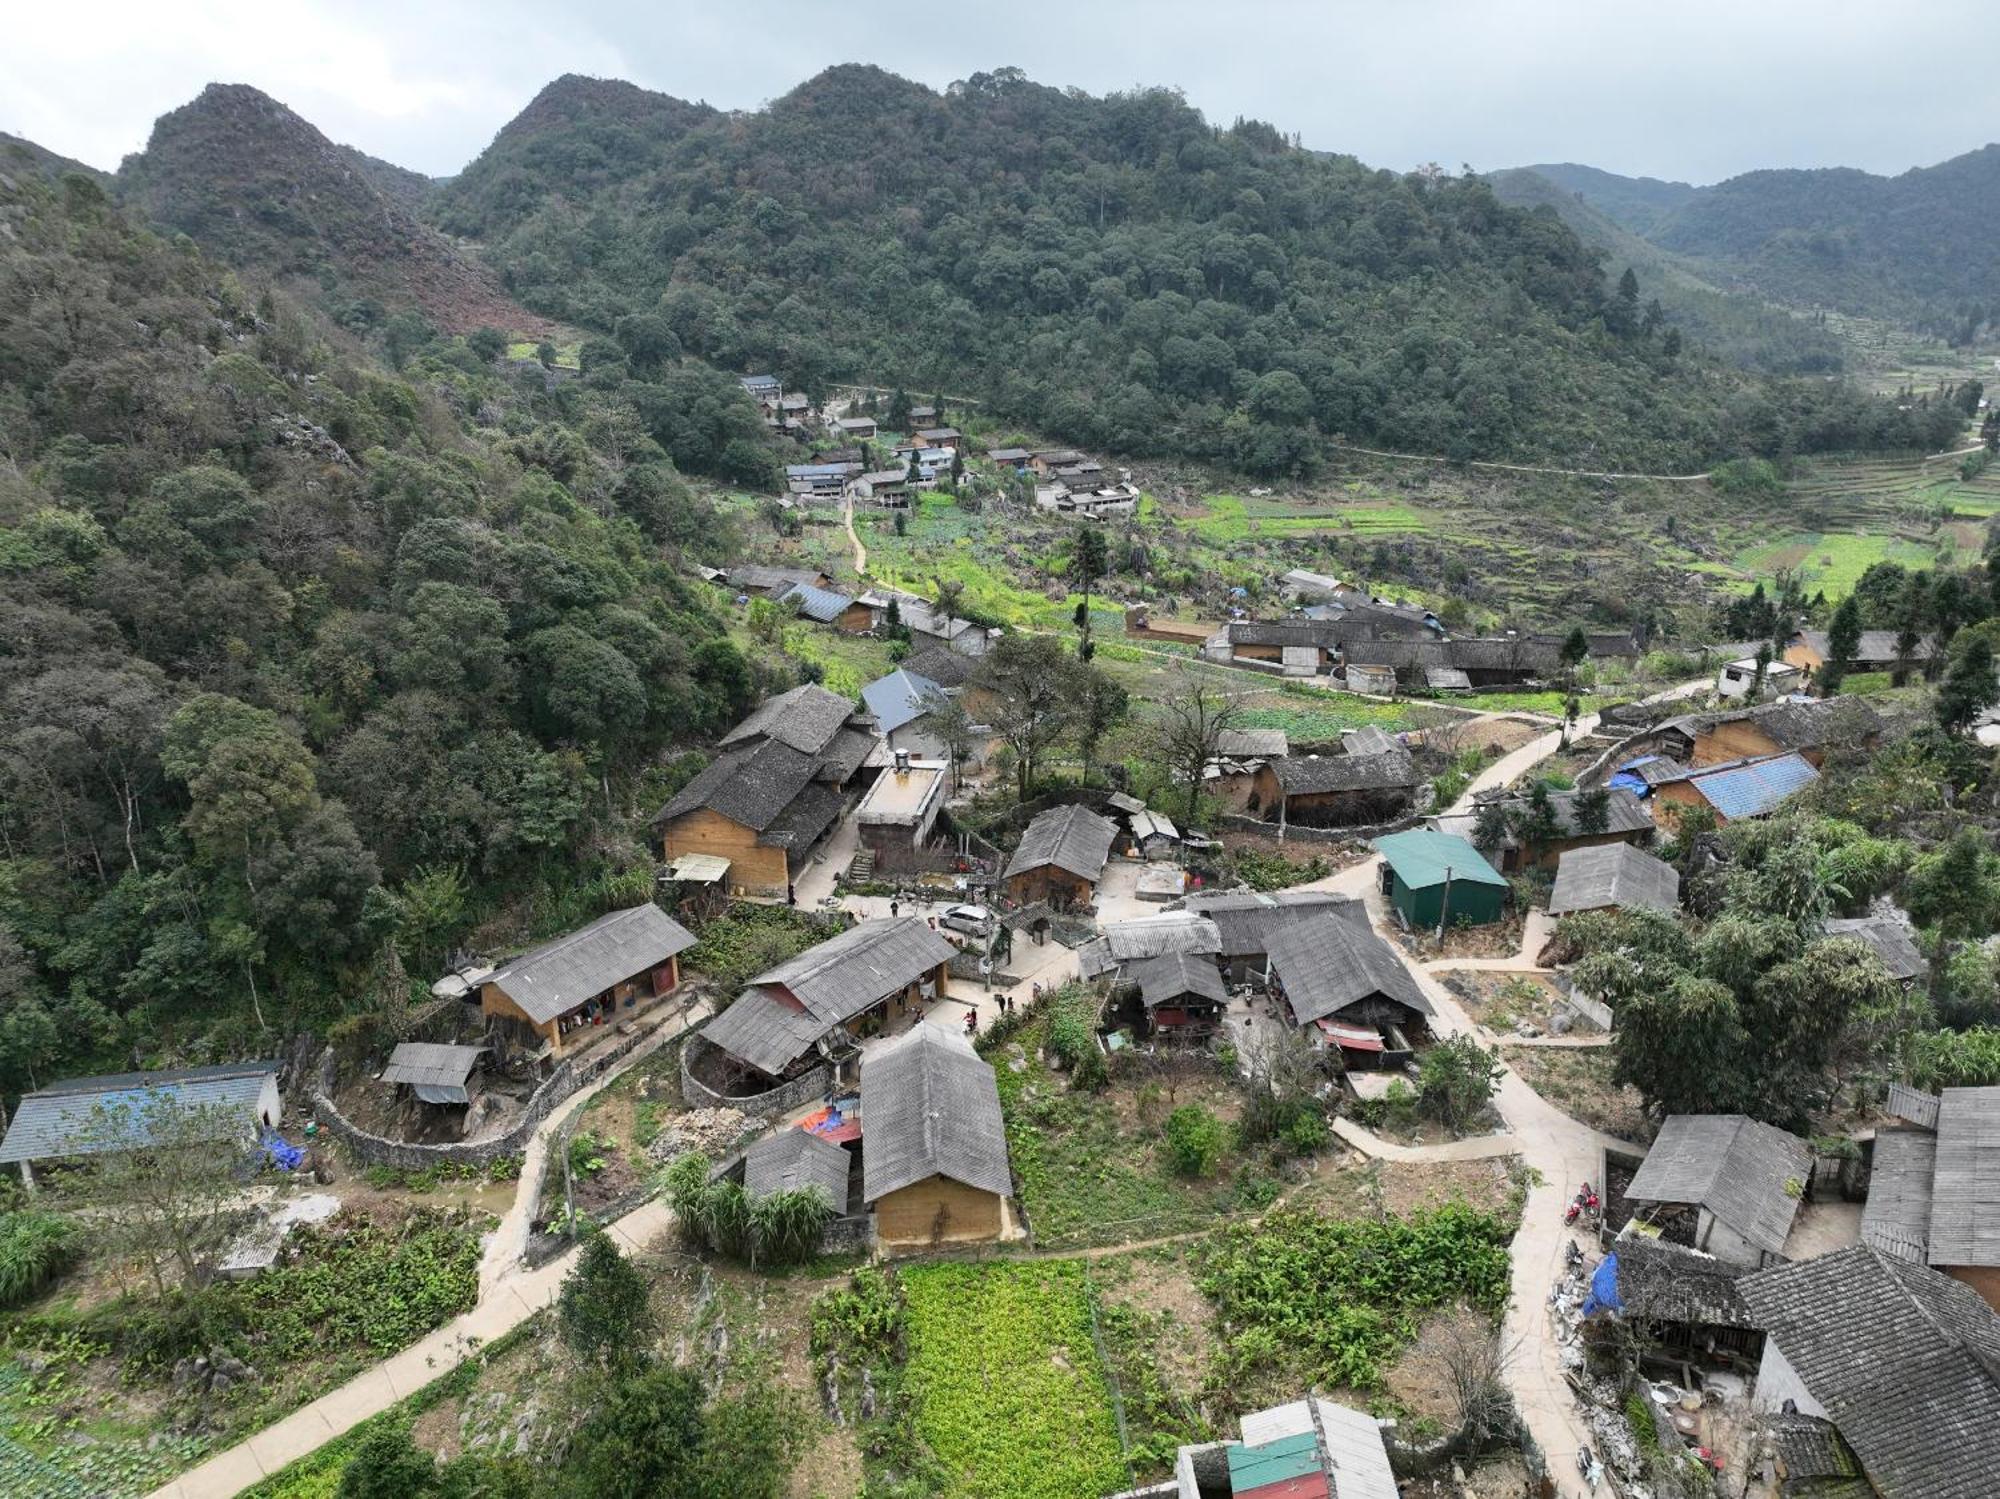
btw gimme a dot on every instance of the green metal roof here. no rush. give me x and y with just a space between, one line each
1421 858
1252 1468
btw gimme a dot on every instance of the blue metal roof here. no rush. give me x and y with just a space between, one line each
900 698
1751 788
817 603
90 1116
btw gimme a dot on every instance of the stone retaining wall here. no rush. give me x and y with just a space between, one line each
1298 832
408 1155
780 1100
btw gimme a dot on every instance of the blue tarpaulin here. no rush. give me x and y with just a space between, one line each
1603 1295
284 1155
1632 783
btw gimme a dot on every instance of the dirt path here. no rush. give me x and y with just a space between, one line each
860 551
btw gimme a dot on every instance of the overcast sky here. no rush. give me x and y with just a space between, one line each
1689 89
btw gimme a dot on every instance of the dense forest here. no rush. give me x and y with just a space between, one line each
1114 271
308 665
1918 247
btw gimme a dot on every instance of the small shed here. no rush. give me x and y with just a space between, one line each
125 1111
1614 876
1744 1178
435 1072
1376 681
795 1160
1889 939
1434 877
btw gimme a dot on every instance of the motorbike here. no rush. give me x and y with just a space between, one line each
1584 1204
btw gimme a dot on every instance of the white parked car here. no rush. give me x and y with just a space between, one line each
974 921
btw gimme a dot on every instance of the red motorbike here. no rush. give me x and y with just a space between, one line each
1584 1204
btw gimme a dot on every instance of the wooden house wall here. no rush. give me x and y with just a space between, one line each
754 869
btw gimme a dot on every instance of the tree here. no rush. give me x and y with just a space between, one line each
1593 810
1970 688
643 1438
1843 639
1192 719
897 418
1089 560
1458 1077
1575 651
952 726
168 1201
1034 684
605 1308
1101 705
388 1464
1491 825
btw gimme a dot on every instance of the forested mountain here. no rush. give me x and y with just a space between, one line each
251 182
17 155
307 666
1739 326
1113 270
1922 247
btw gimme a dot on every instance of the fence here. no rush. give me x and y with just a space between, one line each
779 1100
409 1155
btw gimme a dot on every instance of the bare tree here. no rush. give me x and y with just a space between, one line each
1461 1350
1193 716
1034 684
164 1193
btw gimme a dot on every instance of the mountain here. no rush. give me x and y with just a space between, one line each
1922 247
249 180
17 154
1112 270
1740 326
1634 203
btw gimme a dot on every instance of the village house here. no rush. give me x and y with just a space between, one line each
1625 820
933 1143
1683 1304
434 1072
1614 877
928 625
1349 990
797 1160
775 789
1013 458
856 428
1885 933
1045 461
1934 1192
905 705
1309 1449
1181 995
1246 921
766 392
1876 650
815 1006
1434 879
1231 776
552 996
888 488
1120 944
949 439
819 481
755 580
127 1111
1878 1376
795 410
923 416
1808 729
1344 790
1060 857
955 673
1740 680
824 606
1725 1184
899 813
1733 790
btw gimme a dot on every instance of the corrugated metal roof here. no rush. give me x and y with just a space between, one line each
1751 788
1897 1216
930 1107
98 1115
1889 939
902 697
560 975
1422 858
821 604
431 1064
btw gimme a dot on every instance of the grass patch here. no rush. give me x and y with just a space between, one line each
1010 1398
1831 563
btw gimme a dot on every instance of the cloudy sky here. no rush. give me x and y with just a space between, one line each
1690 89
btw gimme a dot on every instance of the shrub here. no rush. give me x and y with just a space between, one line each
781 1229
1458 1077
1306 1133
605 1310
862 1323
1194 1140
35 1248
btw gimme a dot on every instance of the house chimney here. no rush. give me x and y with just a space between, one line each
902 762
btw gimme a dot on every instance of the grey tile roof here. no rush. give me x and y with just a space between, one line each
765 1030
1667 1283
1171 977
1897 1216
1309 775
1965 1214
806 718
560 975
1796 726
1613 874
803 819
940 664
1905 1360
839 978
1875 647
1732 1165
1623 813
752 785
1246 919
1070 837
901 698
930 1107
1368 740
751 576
793 1160
98 1115
1329 964
1252 744
1890 941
